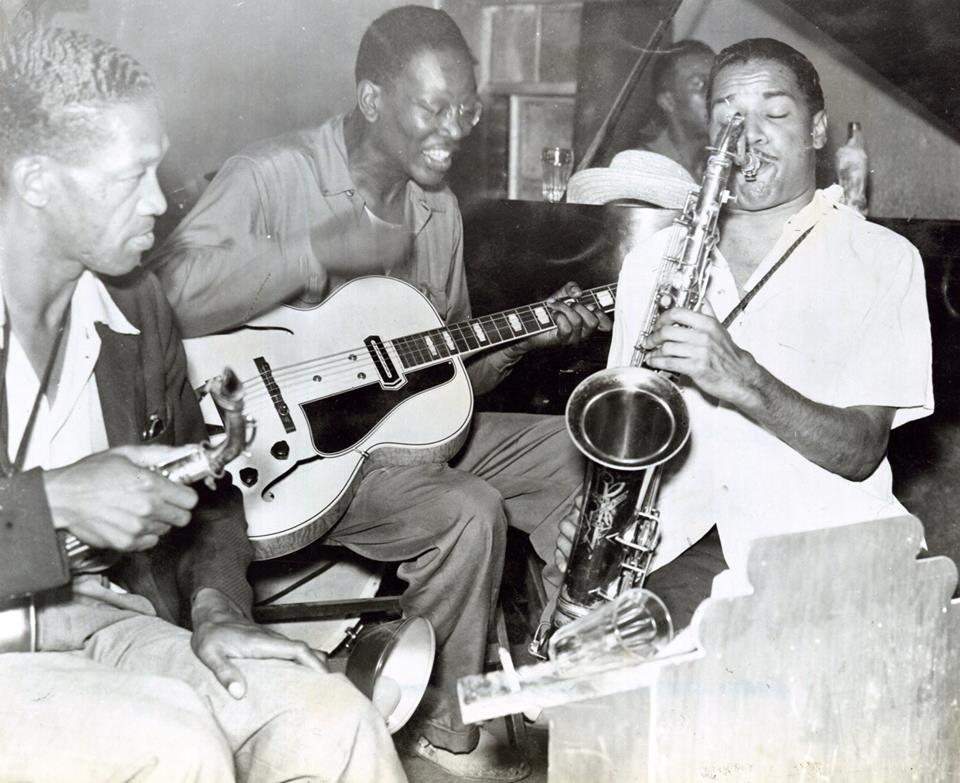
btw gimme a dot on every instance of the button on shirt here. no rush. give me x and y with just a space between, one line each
843 322
73 427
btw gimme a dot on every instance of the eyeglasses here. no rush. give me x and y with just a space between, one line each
466 114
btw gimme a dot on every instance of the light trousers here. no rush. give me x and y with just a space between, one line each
134 703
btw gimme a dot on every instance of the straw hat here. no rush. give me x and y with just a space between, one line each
636 174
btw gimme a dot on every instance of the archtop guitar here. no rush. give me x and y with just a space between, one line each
372 373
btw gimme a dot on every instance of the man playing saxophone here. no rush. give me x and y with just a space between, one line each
792 397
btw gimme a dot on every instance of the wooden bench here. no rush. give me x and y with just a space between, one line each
843 664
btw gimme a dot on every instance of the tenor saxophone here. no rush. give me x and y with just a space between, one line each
194 462
629 421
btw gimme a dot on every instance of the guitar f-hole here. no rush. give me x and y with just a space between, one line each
390 378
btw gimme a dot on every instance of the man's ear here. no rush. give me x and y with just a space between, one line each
667 102
30 180
369 99
819 132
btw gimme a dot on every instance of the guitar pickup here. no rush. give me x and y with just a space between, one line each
390 377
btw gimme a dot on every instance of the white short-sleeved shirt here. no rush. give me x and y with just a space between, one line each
844 322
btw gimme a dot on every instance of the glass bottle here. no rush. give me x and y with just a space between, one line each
853 169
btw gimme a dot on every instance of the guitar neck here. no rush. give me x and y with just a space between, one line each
490 331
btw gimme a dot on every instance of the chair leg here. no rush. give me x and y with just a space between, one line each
516 728
536 594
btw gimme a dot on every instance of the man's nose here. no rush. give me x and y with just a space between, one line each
152 200
452 126
753 129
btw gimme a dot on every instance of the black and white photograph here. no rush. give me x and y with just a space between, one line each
561 391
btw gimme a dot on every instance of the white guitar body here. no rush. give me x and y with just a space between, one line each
306 459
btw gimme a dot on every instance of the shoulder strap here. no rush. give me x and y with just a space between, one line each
742 304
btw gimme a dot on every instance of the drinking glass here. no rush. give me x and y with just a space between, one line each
557 165
632 627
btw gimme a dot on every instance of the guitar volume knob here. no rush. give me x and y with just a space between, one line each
249 476
280 450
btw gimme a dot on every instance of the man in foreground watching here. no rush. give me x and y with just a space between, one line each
94 393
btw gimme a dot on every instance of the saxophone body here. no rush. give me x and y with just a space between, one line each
629 421
194 462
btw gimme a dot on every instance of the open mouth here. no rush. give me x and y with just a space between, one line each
438 159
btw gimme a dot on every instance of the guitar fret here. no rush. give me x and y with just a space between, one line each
606 298
489 330
438 344
464 338
400 344
542 315
530 324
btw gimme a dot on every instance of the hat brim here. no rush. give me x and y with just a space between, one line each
600 186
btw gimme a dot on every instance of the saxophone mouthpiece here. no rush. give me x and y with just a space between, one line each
227 386
749 164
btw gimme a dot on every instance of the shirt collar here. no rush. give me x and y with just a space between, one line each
91 303
335 178
824 201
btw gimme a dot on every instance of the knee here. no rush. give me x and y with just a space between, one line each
482 518
177 738
327 724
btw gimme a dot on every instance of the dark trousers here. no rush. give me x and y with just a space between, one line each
684 582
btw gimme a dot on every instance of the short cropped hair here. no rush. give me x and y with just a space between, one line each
394 38
754 49
53 84
664 69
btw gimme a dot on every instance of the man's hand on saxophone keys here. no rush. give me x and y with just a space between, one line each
698 346
112 500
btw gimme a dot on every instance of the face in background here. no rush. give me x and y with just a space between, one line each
778 127
102 209
691 74
419 126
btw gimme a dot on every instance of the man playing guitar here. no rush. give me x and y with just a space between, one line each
363 194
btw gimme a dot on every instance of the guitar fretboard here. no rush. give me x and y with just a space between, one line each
487 331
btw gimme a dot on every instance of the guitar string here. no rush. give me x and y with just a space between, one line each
335 367
498 321
291 380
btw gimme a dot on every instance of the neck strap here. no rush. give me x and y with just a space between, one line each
10 468
742 304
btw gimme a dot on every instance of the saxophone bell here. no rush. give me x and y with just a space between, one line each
627 418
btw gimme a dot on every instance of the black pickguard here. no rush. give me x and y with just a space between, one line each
339 422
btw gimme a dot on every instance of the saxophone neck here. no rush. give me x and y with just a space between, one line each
227 393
